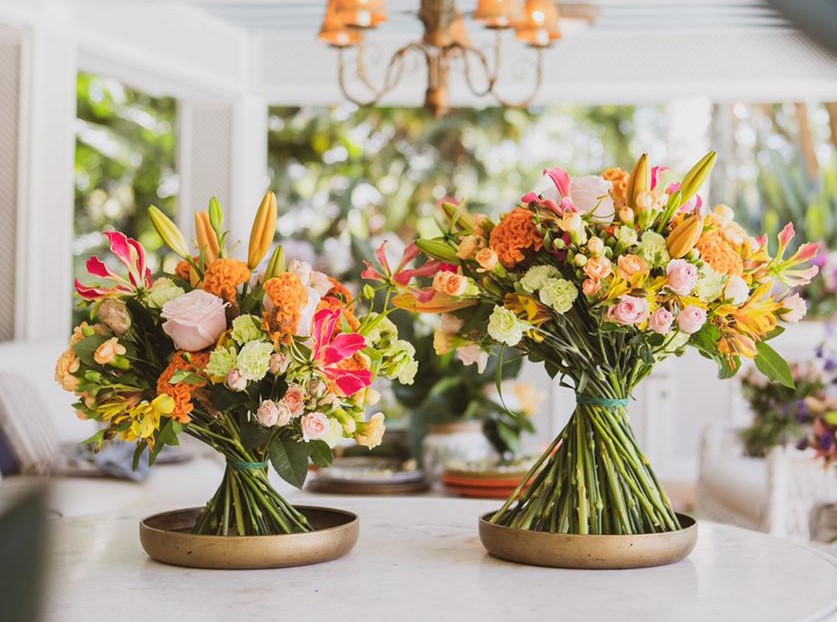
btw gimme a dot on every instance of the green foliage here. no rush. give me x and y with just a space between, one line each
290 459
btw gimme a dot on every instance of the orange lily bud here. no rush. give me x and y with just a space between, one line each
206 238
684 236
639 181
264 228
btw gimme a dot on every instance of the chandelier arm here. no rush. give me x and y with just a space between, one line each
538 81
463 51
341 79
392 75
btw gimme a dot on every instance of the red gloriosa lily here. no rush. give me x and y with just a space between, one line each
330 350
132 255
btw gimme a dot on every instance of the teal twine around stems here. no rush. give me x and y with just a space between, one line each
244 465
607 402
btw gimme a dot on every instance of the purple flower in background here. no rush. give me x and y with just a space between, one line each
802 411
802 444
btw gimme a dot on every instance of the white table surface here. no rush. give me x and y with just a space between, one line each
419 558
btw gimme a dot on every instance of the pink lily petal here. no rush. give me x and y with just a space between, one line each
785 237
561 178
568 206
381 254
370 274
89 293
350 381
656 173
672 188
119 246
807 252
530 197
448 267
424 295
324 322
411 252
698 204
344 346
97 267
427 269
142 260
550 204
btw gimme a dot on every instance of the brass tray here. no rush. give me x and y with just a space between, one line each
557 550
166 538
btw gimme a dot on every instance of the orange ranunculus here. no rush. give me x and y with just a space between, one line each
515 234
598 268
182 392
223 276
631 268
287 297
721 256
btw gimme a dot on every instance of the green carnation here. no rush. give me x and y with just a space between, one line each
247 328
536 276
221 361
503 326
560 294
254 359
399 362
710 284
383 329
653 249
161 292
626 236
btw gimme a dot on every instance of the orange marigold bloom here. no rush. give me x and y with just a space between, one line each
721 256
182 393
223 276
288 296
516 233
619 185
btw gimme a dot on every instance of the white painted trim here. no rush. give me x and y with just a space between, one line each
22 219
183 163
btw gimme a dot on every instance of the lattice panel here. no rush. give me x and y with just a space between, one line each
9 119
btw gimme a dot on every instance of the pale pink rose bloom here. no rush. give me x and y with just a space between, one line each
235 380
450 324
294 399
690 319
630 310
681 276
115 314
455 285
736 290
284 415
591 287
661 321
471 354
314 426
797 308
268 413
487 258
195 320
279 363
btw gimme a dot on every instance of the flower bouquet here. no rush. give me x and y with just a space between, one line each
600 278
269 366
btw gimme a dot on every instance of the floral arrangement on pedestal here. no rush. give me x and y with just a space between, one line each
268 366
600 278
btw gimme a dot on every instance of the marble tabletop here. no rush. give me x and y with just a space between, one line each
420 558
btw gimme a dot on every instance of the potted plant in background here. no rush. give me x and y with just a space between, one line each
600 278
267 367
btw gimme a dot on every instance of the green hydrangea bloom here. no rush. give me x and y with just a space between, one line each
560 294
536 276
161 292
221 361
254 359
246 328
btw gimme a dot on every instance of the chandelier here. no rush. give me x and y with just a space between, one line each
444 44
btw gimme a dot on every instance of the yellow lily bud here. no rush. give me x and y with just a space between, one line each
697 175
639 181
207 241
684 236
169 232
216 217
276 265
264 228
460 216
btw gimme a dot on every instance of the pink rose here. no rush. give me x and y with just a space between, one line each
194 320
314 426
487 258
268 413
681 276
661 321
691 319
235 380
279 363
471 354
451 324
796 309
294 399
630 310
591 287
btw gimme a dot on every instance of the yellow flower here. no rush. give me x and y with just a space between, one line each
145 418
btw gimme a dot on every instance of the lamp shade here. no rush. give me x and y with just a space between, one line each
362 13
498 13
540 24
334 31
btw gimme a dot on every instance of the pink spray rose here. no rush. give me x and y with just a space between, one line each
314 426
681 276
235 380
661 321
195 320
473 353
691 319
268 413
294 399
630 310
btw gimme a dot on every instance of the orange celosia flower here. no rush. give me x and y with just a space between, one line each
223 276
516 233
330 302
720 254
619 185
287 296
182 270
182 392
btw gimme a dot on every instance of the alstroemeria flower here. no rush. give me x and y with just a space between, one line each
331 350
790 271
585 194
401 275
132 255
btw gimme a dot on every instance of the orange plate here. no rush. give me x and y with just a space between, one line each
504 482
480 493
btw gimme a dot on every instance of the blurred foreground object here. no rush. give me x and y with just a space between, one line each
22 541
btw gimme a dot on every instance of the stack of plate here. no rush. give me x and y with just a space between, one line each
369 476
483 481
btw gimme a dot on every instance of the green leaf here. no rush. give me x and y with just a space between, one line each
773 366
86 348
320 453
98 439
290 459
253 435
186 377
